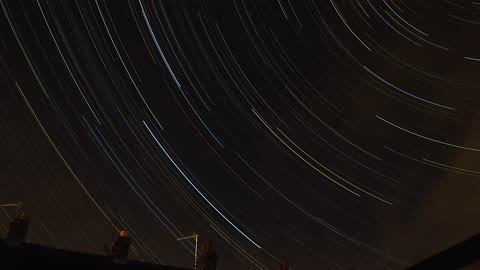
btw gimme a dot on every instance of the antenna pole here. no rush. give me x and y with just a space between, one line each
194 236
196 248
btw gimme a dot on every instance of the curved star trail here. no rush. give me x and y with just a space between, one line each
337 134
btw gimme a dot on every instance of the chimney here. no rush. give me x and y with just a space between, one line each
283 265
18 231
208 259
121 247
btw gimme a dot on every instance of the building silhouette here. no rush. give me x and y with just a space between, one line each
16 254
463 256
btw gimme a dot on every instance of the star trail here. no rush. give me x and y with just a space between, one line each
337 134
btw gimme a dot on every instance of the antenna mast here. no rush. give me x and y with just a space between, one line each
194 236
17 205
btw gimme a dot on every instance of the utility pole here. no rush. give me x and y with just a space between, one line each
194 236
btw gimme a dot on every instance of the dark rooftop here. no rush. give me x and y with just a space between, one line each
461 255
31 255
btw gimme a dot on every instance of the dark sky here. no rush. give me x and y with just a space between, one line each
334 133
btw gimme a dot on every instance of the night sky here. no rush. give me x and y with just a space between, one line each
335 133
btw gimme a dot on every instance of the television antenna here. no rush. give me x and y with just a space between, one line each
193 236
17 205
109 245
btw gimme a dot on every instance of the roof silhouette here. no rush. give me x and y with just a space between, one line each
37 256
460 255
